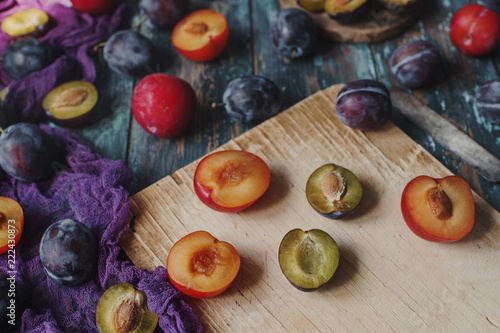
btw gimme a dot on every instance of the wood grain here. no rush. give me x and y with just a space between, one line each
379 25
388 279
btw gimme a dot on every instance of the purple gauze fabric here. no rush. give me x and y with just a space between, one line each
91 191
72 36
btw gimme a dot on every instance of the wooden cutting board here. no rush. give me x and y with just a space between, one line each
388 279
378 25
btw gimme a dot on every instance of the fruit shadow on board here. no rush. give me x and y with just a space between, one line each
369 200
346 270
483 229
280 188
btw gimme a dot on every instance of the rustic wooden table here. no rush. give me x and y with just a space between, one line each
114 133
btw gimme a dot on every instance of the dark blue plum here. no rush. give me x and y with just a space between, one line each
68 251
488 101
252 99
416 64
129 53
25 57
293 33
12 303
27 153
164 14
8 115
364 104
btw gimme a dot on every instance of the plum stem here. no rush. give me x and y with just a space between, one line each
99 46
215 105
141 21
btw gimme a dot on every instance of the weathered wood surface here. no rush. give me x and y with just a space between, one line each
388 280
379 25
114 133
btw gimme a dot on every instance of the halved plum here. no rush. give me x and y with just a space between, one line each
71 103
122 308
201 266
30 22
312 5
347 11
438 210
231 180
308 259
333 191
11 223
201 36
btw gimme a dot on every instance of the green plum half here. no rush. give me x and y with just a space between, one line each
122 308
308 259
333 191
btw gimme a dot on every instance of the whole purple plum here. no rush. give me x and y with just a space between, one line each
416 64
68 251
27 152
364 104
293 33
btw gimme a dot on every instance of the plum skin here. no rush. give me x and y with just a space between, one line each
252 99
293 33
488 101
416 64
26 56
68 252
129 53
364 104
27 152
164 14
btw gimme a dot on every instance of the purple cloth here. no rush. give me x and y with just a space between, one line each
91 190
73 35
6 4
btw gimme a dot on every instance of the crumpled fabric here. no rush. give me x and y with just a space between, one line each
91 190
84 187
72 36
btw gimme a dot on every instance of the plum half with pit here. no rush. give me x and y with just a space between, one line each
402 7
71 103
308 259
27 152
68 252
347 11
31 22
364 104
252 99
26 56
164 14
333 191
122 308
293 33
129 53
488 101
416 64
